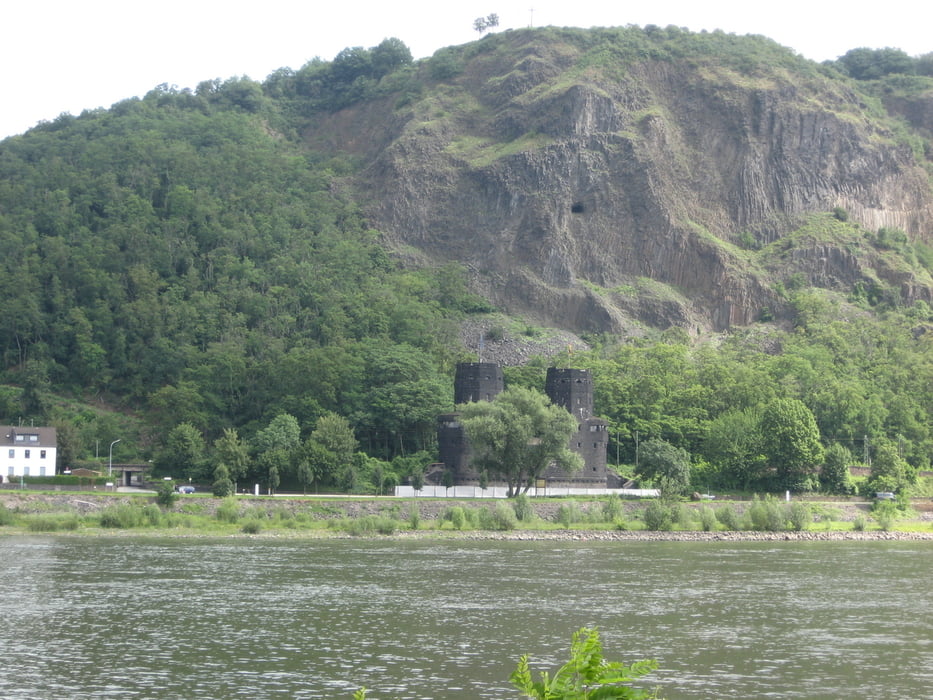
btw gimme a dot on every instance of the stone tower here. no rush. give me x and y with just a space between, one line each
474 381
477 381
573 389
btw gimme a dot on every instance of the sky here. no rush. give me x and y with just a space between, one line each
64 57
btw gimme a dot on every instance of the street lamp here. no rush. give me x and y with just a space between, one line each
110 463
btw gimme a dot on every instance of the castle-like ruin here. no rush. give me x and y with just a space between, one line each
570 388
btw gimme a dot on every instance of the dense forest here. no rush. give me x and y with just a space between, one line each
184 273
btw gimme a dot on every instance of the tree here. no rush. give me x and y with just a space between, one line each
481 24
183 453
69 445
834 476
276 447
871 64
390 54
35 398
335 433
791 443
351 63
518 435
666 464
223 485
328 452
733 446
231 453
889 471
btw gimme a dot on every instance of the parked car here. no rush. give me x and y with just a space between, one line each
885 496
186 489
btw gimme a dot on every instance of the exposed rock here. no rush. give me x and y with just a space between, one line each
566 189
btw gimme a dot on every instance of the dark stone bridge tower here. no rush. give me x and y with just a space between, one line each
477 381
570 388
474 381
573 389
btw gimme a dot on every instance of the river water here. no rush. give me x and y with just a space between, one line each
240 618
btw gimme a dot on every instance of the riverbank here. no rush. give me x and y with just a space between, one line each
121 515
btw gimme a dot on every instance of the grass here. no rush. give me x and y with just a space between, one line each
317 517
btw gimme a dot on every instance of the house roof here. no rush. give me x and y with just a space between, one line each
28 436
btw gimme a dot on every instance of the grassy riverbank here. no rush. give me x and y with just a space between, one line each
95 514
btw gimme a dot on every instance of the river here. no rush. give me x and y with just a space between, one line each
135 617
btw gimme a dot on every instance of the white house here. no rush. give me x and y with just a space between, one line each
28 451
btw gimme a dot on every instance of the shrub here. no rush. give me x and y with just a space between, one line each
568 513
6 516
123 516
192 508
612 508
473 516
766 514
498 517
152 515
414 517
859 523
885 514
683 515
495 334
222 488
52 523
521 504
367 526
707 519
165 494
252 527
228 511
799 516
728 517
456 516
658 516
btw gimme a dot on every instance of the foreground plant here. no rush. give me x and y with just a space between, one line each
586 676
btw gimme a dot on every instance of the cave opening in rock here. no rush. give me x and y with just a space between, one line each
576 208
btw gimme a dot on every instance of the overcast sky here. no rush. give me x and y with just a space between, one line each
58 56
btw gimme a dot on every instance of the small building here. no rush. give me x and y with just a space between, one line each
28 451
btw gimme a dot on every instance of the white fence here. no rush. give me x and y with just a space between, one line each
500 492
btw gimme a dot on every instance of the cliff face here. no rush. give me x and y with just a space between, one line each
590 193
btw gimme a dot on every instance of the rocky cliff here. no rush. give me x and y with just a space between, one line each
595 179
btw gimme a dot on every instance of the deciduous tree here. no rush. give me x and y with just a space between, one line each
791 443
666 464
517 435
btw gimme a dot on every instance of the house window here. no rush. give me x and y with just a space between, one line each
10 471
12 453
27 454
25 471
33 438
41 471
41 454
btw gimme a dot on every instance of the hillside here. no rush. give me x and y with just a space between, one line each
591 179
709 223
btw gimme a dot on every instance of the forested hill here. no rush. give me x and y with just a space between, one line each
312 246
